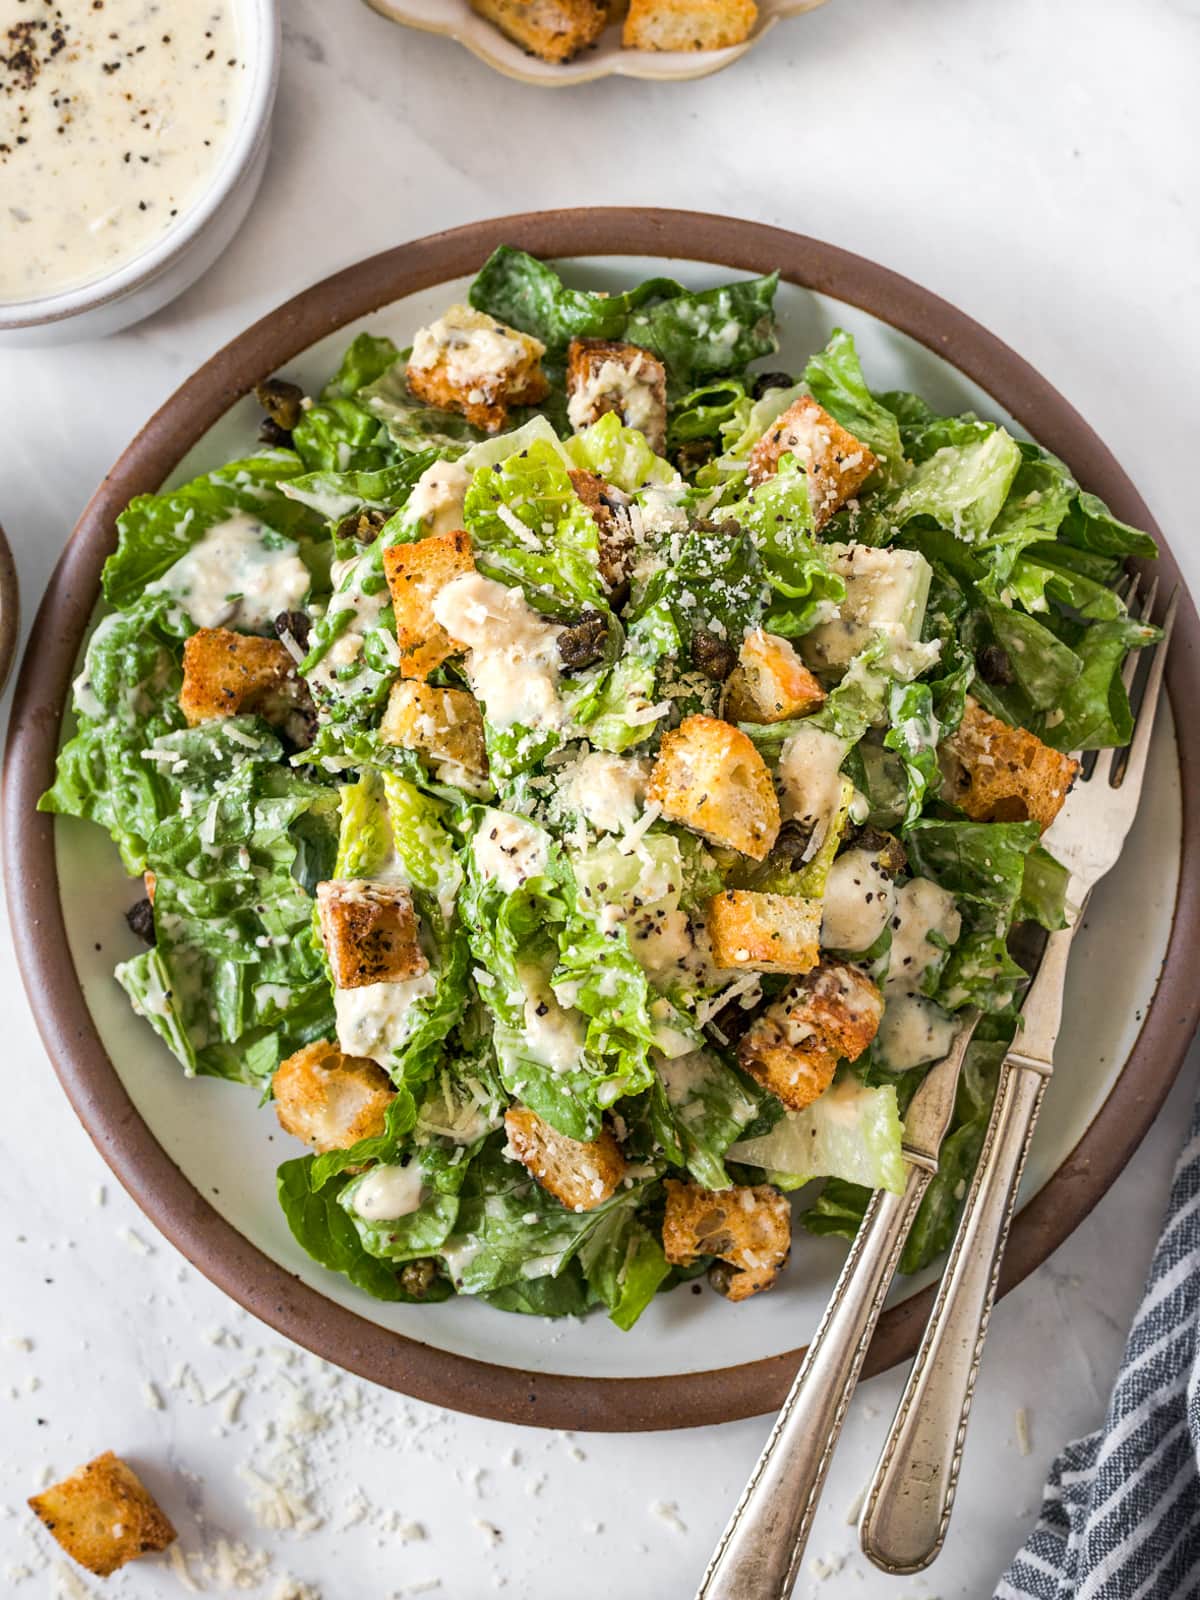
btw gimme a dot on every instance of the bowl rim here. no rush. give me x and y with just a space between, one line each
88 1076
264 36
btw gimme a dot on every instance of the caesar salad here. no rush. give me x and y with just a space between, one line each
580 773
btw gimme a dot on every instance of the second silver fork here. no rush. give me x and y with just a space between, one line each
908 1504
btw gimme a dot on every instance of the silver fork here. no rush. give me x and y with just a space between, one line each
759 1553
910 1498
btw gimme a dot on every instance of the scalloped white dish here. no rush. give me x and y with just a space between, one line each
456 20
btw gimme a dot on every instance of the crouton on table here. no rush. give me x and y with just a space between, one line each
581 1173
227 674
688 24
764 932
749 1228
104 1516
606 375
1002 774
415 574
371 932
441 724
608 507
555 30
835 462
331 1100
467 361
793 1047
770 682
709 776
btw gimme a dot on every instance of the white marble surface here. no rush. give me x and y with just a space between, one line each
1037 165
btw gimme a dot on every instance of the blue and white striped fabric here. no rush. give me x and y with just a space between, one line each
1121 1515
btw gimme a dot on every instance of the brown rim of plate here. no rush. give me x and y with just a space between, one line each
91 1082
10 609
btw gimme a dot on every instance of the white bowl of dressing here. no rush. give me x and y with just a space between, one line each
133 136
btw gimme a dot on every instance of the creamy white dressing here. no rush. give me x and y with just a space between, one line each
476 350
922 908
388 1192
113 120
512 651
810 776
554 1035
373 1020
608 790
620 387
437 497
508 849
231 578
913 1030
886 592
859 902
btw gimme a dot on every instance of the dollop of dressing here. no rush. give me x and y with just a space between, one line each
508 850
914 1030
608 790
231 578
113 119
437 497
922 908
512 652
373 1020
860 900
388 1192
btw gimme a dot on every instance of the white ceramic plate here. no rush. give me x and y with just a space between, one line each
456 20
229 1146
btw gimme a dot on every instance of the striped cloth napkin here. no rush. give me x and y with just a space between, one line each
1120 1519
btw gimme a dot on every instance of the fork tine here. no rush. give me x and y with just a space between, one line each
1135 767
1127 588
1133 659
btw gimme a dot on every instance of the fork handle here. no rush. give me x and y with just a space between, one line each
908 1504
759 1553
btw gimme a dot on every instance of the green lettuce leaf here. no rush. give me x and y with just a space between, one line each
696 335
154 530
835 381
851 1132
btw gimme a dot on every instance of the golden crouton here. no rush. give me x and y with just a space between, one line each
415 573
794 1046
608 508
606 375
836 462
582 1173
104 1516
688 24
226 674
370 931
441 724
555 30
749 1228
1002 774
709 776
764 932
770 682
331 1100
467 361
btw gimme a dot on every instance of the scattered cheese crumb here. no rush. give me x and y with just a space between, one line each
135 1242
152 1395
668 1511
490 1533
1024 1443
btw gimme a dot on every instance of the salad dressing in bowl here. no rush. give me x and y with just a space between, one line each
114 117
